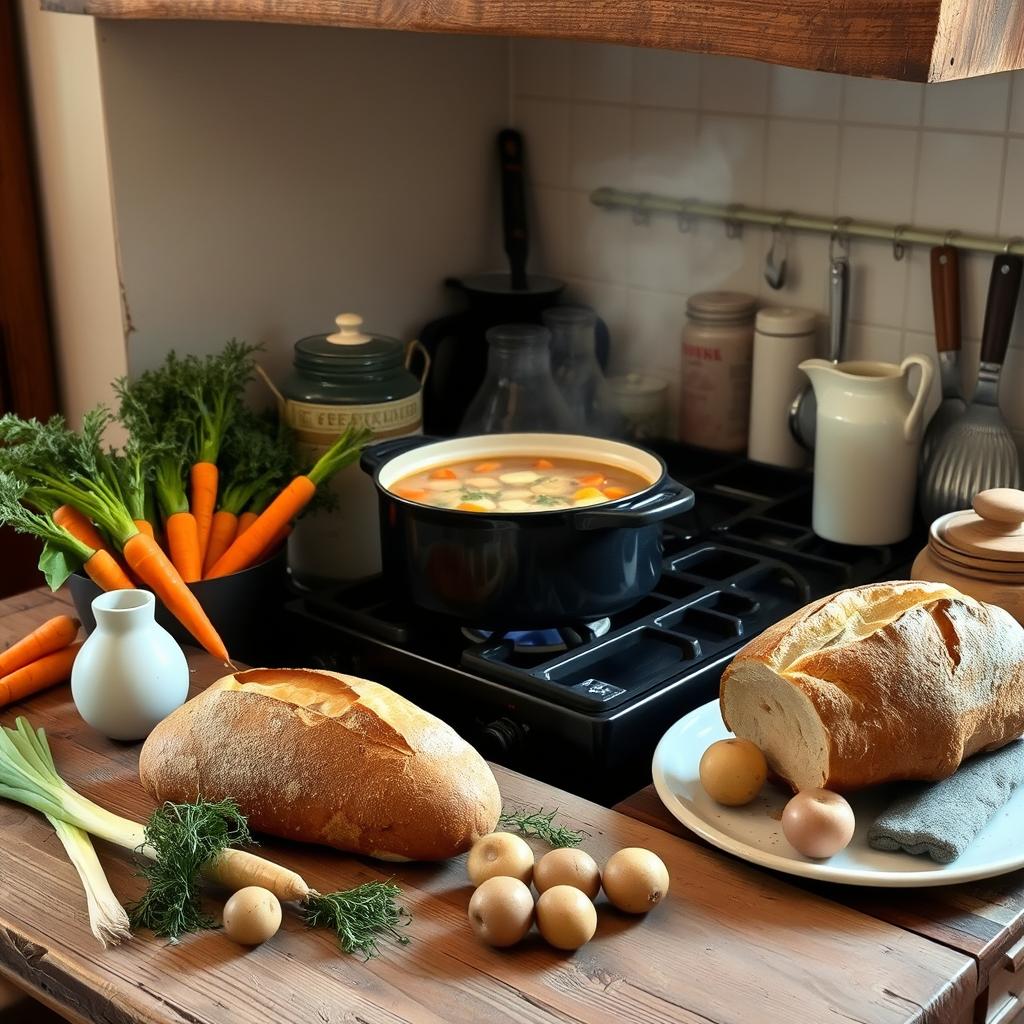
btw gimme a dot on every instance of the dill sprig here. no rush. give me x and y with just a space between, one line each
542 825
185 838
360 916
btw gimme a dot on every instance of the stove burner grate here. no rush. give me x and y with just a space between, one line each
541 641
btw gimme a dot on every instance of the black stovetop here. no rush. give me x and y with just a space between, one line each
586 710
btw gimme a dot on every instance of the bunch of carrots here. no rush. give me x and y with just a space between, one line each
40 659
202 488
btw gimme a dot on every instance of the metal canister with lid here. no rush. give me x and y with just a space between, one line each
348 377
718 344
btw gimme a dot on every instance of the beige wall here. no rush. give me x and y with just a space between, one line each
77 214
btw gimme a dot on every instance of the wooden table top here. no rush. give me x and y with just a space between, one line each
730 944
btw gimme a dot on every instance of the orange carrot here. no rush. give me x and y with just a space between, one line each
248 546
106 572
275 542
183 545
51 636
222 533
145 526
203 477
79 527
147 560
410 493
486 467
245 520
38 675
591 479
615 492
543 464
470 506
443 474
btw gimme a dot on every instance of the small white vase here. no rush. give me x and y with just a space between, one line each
130 674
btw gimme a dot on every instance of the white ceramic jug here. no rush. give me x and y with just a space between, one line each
130 673
869 433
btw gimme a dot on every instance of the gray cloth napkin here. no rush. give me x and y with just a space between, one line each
943 818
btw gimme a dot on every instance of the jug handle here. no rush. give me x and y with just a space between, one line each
912 423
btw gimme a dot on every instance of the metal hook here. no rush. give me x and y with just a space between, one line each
898 249
641 213
733 226
685 219
775 263
839 237
947 238
1011 241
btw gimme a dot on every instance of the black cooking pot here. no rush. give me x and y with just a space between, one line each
523 570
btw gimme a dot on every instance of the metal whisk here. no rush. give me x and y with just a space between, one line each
977 451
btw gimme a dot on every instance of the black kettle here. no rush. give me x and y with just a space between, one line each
457 343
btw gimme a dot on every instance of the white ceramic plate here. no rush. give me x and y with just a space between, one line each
754 832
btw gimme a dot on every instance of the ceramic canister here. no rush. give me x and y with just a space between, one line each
348 377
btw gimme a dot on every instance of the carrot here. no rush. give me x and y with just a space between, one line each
79 527
410 493
443 474
591 479
615 492
183 545
145 526
487 467
222 533
275 542
38 675
543 464
245 520
147 560
51 636
106 572
203 477
293 498
470 506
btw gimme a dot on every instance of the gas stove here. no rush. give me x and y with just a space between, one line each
583 706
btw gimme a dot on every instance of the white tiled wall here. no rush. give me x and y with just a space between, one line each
946 156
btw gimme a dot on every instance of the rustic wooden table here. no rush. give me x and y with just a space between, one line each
731 943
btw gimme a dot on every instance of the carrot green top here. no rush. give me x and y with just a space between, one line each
343 452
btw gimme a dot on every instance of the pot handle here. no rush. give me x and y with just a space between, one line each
375 455
672 500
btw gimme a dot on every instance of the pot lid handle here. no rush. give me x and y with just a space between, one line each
1001 507
348 332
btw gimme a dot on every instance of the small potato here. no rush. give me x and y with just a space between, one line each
733 771
565 917
501 911
500 853
252 915
568 867
818 823
635 880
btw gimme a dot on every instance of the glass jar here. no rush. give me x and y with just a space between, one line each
519 392
348 377
577 371
642 401
718 342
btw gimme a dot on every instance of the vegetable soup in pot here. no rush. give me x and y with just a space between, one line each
518 483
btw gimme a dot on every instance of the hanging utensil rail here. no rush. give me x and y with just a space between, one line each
645 204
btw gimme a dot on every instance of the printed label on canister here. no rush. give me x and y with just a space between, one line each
316 427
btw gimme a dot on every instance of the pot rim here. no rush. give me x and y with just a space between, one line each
437 452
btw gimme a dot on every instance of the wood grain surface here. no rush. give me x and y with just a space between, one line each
915 40
729 944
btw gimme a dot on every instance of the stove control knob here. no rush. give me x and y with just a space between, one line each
502 737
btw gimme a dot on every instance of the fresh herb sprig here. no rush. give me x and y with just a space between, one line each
359 916
541 823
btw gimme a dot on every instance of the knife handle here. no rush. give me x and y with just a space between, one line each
1003 289
945 262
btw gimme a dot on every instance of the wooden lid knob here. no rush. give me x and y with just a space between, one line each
348 332
1001 506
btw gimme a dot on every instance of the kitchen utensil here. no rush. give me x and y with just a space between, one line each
577 372
129 674
642 402
783 338
980 552
456 343
945 274
803 421
868 443
754 832
349 376
527 569
977 452
775 262
518 393
718 343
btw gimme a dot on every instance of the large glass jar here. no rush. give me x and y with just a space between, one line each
518 393
577 371
348 377
718 351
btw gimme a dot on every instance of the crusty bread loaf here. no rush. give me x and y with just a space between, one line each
326 758
882 682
